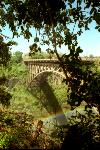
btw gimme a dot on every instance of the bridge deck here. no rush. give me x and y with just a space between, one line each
54 61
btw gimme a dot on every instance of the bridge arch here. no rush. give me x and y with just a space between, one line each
42 76
60 74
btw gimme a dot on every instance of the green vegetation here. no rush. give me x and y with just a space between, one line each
55 23
16 121
18 127
39 55
17 57
52 22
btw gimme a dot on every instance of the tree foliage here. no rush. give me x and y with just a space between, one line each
10 75
4 52
4 93
85 129
57 22
17 57
41 55
52 20
37 13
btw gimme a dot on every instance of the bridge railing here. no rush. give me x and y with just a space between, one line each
56 60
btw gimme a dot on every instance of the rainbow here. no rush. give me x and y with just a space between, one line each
60 113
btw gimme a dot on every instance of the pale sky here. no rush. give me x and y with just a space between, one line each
89 41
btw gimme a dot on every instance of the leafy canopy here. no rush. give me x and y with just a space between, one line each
50 16
17 57
52 21
36 13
